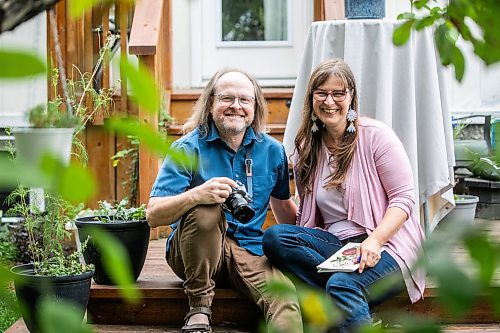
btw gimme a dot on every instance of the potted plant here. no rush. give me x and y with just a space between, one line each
464 210
127 225
51 272
54 126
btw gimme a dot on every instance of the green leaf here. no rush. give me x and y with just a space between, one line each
116 263
79 7
419 4
458 61
435 11
458 294
444 44
418 324
145 92
13 173
406 16
63 179
148 137
20 64
485 254
58 316
72 175
402 34
494 299
51 174
423 23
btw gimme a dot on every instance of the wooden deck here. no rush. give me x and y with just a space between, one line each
164 303
19 327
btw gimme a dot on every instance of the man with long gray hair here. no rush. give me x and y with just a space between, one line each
217 204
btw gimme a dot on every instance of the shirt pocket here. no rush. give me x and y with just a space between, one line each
262 188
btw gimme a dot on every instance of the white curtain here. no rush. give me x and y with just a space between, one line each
275 20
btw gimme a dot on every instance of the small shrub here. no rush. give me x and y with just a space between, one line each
7 316
8 250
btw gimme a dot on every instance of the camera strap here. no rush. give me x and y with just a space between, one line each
248 171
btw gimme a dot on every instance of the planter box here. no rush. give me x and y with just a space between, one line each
464 211
134 236
489 197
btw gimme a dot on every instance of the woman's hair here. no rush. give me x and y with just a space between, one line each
202 116
308 143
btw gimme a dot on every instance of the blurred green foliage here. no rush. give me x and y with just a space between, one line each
476 22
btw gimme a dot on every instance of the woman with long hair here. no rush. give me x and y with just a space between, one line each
355 184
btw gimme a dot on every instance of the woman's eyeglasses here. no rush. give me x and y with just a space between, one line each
245 101
337 95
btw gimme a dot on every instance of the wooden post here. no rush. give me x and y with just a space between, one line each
329 10
150 40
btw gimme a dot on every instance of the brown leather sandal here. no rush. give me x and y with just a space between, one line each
202 328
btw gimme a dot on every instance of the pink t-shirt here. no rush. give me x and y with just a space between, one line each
331 205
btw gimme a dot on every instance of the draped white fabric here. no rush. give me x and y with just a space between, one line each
404 87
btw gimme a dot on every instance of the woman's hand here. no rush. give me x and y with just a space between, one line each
369 253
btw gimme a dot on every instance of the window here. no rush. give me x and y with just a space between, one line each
254 20
264 37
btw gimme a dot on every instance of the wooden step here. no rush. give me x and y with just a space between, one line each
19 327
164 302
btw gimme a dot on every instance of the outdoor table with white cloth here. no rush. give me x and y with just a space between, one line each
405 87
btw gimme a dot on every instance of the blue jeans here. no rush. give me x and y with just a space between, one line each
298 250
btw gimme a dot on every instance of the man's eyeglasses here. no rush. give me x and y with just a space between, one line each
245 101
337 95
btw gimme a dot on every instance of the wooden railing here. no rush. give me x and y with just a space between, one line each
150 41
79 42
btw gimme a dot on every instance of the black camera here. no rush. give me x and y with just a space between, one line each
237 204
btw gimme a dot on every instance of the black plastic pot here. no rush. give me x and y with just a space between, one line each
31 288
134 236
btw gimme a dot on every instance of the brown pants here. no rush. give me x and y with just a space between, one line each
202 256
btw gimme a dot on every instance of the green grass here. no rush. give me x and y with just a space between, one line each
7 316
8 254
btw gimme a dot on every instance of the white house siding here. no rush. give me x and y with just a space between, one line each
18 96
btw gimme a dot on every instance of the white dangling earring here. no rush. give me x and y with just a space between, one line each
314 127
351 117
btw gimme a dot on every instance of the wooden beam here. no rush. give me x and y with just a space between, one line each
148 162
166 52
123 23
329 10
145 33
334 9
100 147
319 10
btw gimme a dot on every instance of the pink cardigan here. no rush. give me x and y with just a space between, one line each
380 177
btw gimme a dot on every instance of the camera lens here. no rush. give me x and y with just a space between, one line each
237 204
244 213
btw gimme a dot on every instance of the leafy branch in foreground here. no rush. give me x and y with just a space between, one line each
475 21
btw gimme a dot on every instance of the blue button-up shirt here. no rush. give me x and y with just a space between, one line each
215 159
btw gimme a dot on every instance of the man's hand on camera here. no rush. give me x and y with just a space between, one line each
215 190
